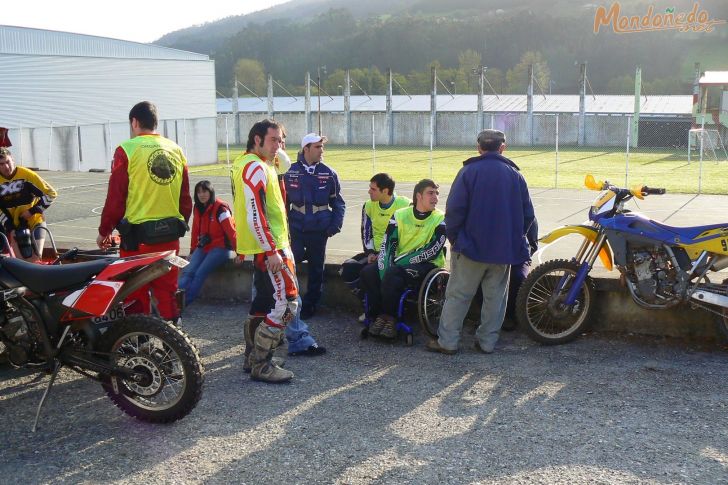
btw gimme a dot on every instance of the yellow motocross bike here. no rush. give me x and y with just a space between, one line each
662 266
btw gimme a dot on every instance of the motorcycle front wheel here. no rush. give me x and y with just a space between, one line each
540 309
169 373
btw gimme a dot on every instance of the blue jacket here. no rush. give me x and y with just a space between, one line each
314 202
489 211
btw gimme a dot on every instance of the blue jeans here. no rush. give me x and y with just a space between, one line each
299 339
200 267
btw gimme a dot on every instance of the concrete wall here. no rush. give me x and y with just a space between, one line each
452 129
614 309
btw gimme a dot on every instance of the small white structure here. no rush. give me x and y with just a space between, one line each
65 97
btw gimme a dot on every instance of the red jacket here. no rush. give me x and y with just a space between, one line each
217 222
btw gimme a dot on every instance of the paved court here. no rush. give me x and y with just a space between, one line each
74 216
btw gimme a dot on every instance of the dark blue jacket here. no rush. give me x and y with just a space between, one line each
314 202
489 211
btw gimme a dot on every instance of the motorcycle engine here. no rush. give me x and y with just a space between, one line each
654 275
16 335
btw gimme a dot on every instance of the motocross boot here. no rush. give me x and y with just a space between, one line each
263 368
249 328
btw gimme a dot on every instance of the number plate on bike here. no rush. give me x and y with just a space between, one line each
114 314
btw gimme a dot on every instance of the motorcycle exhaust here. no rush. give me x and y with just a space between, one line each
711 298
721 262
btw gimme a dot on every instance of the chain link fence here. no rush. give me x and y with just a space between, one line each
84 147
553 150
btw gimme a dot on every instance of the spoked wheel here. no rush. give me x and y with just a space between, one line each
168 372
431 300
540 307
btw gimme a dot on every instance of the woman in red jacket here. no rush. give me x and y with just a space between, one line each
213 239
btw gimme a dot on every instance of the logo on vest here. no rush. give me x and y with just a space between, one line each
161 169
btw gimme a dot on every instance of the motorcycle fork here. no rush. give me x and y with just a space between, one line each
584 268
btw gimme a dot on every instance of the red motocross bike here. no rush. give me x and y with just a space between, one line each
55 316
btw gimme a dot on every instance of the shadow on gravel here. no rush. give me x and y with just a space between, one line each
597 410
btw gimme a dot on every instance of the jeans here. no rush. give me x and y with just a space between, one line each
200 267
465 277
297 334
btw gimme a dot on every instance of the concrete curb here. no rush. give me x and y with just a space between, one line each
614 311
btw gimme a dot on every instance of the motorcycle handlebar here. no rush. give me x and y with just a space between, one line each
653 191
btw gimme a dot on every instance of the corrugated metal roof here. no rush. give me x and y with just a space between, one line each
507 103
28 41
714 77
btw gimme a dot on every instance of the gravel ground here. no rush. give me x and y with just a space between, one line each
603 409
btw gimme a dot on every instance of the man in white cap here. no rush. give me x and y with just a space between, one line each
315 213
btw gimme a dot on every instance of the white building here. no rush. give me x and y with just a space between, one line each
65 97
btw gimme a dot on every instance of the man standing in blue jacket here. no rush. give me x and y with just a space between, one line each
488 215
315 213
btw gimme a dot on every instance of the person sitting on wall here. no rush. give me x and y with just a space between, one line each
412 246
213 236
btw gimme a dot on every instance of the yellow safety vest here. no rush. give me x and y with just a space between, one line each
156 165
244 197
380 217
414 233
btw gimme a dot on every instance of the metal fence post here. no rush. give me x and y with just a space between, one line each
227 140
374 149
432 141
556 162
626 167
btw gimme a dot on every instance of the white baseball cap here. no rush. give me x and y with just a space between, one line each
312 138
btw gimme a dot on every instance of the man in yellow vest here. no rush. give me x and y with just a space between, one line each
260 217
412 246
375 216
149 202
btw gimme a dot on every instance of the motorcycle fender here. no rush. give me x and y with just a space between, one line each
590 233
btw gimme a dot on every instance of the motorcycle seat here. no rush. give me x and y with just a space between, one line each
41 278
691 232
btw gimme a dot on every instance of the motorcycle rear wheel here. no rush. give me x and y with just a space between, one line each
170 366
539 306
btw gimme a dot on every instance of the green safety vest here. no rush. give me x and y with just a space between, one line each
413 233
155 170
380 217
275 209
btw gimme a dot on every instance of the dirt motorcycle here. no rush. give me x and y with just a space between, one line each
54 316
662 266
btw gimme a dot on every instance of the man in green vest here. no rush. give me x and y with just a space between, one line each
149 202
413 244
375 216
262 232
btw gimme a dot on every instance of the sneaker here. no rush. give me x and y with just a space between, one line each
389 330
362 318
376 327
312 351
434 346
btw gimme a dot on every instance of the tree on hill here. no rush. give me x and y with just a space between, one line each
518 76
251 73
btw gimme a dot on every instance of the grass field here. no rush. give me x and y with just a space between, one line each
656 168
